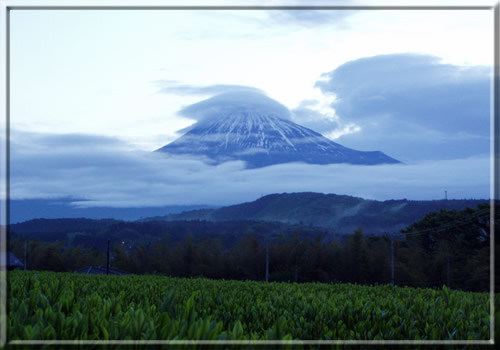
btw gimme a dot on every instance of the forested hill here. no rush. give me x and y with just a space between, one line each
95 233
340 213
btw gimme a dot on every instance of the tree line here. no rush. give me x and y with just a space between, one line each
447 247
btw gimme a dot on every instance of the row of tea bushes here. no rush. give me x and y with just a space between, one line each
49 305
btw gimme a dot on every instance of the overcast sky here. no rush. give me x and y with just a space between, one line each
94 92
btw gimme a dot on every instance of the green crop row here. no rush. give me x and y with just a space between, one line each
49 305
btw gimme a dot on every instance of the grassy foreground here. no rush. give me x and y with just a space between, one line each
48 305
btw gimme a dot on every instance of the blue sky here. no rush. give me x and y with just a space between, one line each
94 92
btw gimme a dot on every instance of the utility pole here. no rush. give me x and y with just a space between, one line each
107 261
25 254
392 260
448 272
267 261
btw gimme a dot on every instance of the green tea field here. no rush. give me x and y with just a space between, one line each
49 305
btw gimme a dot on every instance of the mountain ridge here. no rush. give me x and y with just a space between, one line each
340 213
60 208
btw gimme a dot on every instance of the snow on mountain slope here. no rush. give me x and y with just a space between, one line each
261 138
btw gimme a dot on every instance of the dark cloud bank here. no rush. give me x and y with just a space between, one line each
412 106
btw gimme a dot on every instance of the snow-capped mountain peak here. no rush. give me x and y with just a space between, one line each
263 137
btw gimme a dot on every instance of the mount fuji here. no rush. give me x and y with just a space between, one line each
256 129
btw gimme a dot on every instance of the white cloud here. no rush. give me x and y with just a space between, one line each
350 128
236 101
113 175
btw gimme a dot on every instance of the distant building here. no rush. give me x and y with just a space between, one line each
100 270
12 261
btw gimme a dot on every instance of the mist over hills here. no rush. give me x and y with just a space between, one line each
58 208
340 213
310 215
